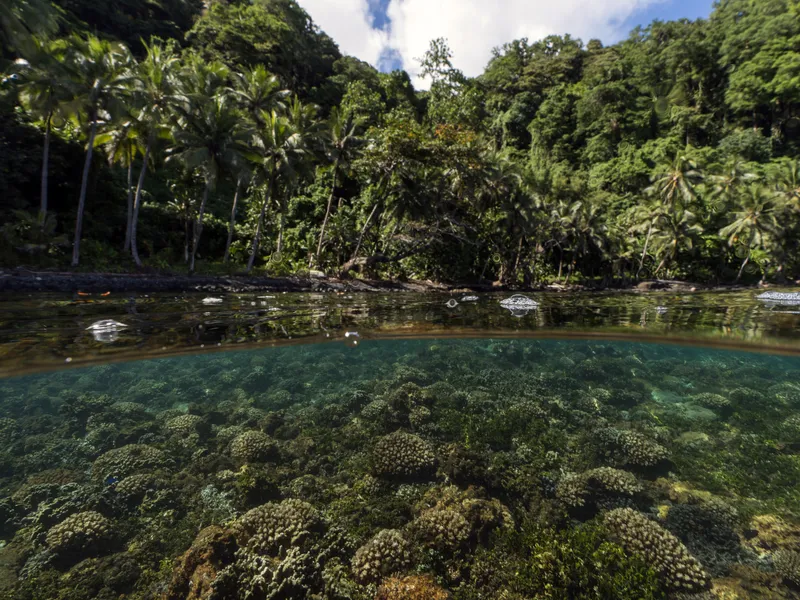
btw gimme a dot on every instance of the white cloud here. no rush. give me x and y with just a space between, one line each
349 24
472 27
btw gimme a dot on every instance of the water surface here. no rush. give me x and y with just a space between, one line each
596 446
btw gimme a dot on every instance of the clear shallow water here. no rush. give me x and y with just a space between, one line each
479 468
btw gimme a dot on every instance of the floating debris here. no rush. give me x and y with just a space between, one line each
106 331
519 305
211 301
662 310
785 298
469 299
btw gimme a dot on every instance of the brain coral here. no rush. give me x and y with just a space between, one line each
79 535
127 460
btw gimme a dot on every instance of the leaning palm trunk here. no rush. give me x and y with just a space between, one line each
364 230
198 226
76 245
259 226
232 223
741 269
45 169
315 259
127 245
137 204
644 251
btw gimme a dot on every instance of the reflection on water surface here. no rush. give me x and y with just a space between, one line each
493 467
46 331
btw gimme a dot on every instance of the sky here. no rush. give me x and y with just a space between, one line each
392 34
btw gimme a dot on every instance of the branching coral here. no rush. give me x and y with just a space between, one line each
389 552
678 569
267 528
442 529
403 455
253 446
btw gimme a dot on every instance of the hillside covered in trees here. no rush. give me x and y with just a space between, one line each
235 136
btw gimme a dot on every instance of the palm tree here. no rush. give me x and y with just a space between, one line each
123 142
242 180
208 135
645 217
753 221
21 20
256 91
342 147
102 71
674 181
678 230
44 92
729 177
154 90
278 146
786 181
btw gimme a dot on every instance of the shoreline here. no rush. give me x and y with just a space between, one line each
28 281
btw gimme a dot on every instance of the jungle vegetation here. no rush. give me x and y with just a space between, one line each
234 136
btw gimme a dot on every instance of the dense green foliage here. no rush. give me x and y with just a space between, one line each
240 133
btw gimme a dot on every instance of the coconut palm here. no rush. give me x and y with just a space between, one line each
122 141
786 181
101 72
21 20
256 91
677 231
278 147
643 218
728 178
154 90
674 181
208 135
243 178
44 92
754 220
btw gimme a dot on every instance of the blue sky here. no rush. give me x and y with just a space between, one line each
391 34
666 10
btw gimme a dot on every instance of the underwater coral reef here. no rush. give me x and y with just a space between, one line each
405 470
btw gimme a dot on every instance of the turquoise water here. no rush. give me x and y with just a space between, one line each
461 468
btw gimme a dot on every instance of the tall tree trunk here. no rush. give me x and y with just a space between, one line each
364 230
137 204
232 223
45 169
644 251
281 224
128 224
76 244
198 225
259 226
315 259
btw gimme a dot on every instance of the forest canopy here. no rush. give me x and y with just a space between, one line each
235 136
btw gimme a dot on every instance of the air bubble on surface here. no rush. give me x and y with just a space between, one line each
451 303
210 300
469 299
